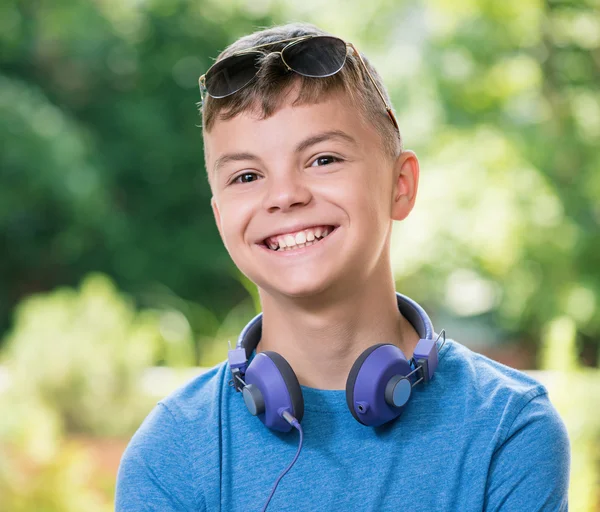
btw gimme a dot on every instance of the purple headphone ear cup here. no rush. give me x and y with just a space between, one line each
351 380
291 383
368 380
274 388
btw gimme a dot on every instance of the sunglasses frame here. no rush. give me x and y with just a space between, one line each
293 42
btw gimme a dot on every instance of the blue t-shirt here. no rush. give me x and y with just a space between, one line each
479 436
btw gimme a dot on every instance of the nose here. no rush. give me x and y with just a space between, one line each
286 192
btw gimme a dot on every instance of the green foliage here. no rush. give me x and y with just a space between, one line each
59 485
574 391
102 164
75 361
502 101
82 354
39 469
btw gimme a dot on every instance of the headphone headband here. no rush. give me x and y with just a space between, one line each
413 312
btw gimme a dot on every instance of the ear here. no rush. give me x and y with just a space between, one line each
406 183
215 209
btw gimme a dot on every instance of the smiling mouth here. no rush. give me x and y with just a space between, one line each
298 239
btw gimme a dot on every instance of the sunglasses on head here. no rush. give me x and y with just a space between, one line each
311 56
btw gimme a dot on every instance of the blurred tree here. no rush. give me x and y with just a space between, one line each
81 353
101 164
531 70
75 361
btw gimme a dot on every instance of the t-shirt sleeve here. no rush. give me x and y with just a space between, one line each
155 474
530 469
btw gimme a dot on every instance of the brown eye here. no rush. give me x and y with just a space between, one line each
246 177
325 160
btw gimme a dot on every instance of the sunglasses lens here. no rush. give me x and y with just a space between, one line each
316 57
231 74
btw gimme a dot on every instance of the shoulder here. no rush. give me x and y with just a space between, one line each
194 401
530 450
200 398
173 448
484 371
487 392
487 385
192 408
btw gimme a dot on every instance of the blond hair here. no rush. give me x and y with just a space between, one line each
267 92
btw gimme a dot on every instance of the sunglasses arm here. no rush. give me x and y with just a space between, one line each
388 108
202 87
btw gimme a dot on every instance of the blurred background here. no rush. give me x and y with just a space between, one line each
115 287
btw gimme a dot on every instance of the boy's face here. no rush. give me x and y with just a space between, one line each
307 169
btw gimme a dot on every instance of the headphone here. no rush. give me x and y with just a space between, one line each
378 387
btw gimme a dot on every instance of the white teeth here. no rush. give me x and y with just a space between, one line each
303 238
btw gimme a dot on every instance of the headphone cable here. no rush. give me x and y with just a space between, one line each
295 423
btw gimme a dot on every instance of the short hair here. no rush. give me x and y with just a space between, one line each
267 92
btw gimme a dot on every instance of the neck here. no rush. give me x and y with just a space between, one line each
321 337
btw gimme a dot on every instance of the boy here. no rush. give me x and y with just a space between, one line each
307 170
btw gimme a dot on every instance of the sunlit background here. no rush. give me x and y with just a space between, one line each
115 287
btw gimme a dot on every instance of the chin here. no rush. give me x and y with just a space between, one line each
300 292
298 286
293 290
294 284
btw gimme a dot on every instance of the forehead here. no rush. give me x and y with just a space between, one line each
290 124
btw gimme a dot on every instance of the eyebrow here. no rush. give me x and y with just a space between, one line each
321 137
233 157
302 146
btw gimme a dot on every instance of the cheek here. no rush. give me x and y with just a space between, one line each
372 210
231 228
369 198
235 216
